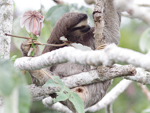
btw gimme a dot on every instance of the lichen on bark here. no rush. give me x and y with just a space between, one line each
6 20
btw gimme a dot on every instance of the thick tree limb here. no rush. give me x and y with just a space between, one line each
133 9
110 96
108 56
6 19
103 74
98 17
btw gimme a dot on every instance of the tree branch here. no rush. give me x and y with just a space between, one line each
38 93
6 19
141 76
103 74
98 17
133 9
107 57
48 102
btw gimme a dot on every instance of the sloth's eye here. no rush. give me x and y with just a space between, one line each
77 28
82 27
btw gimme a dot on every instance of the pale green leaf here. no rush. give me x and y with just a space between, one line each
58 13
13 58
65 93
77 102
24 99
50 11
9 77
62 96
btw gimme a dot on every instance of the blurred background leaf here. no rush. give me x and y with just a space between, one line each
144 42
13 89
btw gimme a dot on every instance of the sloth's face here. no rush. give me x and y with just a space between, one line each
77 31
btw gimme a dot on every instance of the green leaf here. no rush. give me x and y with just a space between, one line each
62 96
58 13
144 42
13 58
84 9
50 11
74 5
65 93
13 89
77 102
9 77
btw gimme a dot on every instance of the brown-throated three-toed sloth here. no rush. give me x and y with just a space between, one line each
74 27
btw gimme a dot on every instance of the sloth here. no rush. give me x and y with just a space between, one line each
74 26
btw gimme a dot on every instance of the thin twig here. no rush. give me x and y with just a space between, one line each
17 36
48 75
145 90
37 42
56 45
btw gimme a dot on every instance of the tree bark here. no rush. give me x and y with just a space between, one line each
6 20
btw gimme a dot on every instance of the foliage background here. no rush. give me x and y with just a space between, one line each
132 100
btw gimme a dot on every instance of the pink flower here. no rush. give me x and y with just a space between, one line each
33 22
